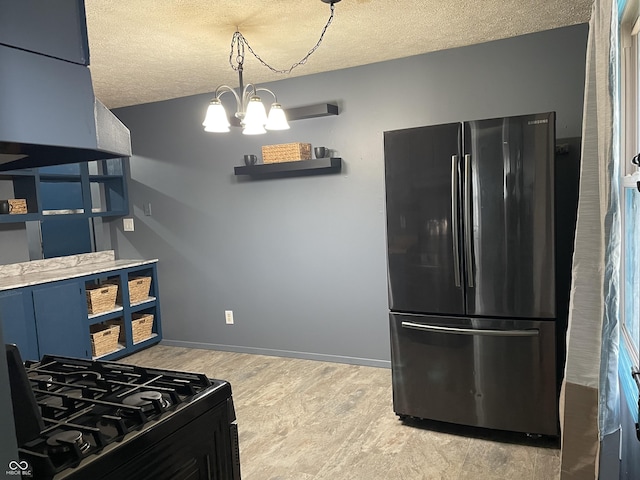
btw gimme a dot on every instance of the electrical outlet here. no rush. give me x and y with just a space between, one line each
228 317
127 224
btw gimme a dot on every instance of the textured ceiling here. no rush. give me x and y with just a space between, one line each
149 50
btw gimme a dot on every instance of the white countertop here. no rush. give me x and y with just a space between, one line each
62 268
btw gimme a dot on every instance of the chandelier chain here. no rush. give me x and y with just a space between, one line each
238 41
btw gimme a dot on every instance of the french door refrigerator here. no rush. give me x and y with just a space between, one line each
471 272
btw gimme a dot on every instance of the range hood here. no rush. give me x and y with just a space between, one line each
50 116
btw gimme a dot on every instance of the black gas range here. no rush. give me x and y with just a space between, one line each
79 419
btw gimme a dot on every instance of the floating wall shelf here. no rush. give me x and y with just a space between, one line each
317 166
312 111
300 113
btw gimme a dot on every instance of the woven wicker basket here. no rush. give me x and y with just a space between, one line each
101 298
139 289
104 338
17 205
286 152
141 326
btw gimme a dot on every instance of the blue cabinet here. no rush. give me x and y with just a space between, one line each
53 318
56 29
18 324
45 102
59 316
46 319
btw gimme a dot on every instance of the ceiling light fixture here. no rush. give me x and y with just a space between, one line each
249 108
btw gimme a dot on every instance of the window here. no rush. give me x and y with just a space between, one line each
631 265
630 202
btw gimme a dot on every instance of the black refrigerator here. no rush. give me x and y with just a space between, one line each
472 272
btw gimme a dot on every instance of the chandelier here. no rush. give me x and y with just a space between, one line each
250 110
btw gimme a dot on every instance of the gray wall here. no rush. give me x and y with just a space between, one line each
301 261
14 244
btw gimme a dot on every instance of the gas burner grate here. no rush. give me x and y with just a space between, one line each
86 406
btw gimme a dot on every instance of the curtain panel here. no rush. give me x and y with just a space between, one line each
590 398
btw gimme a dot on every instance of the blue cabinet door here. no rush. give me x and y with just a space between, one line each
60 314
18 323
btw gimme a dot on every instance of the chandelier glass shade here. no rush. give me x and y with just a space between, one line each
216 119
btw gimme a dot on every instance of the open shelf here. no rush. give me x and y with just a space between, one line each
94 189
19 217
153 335
135 347
316 166
118 349
142 302
102 316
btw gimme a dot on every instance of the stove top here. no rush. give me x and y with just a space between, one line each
85 408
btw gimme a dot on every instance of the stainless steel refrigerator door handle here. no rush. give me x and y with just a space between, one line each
454 219
467 219
470 331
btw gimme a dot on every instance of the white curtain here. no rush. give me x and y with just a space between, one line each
590 397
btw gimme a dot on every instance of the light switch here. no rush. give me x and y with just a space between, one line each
128 224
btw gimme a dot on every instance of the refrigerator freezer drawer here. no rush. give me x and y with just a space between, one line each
492 373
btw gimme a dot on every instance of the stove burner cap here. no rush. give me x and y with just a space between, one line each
145 400
62 442
87 378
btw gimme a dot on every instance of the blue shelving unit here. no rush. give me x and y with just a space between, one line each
78 190
53 317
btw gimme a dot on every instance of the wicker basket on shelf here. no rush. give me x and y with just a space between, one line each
286 152
17 205
101 298
141 326
139 289
104 338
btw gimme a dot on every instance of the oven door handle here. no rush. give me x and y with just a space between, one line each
470 331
